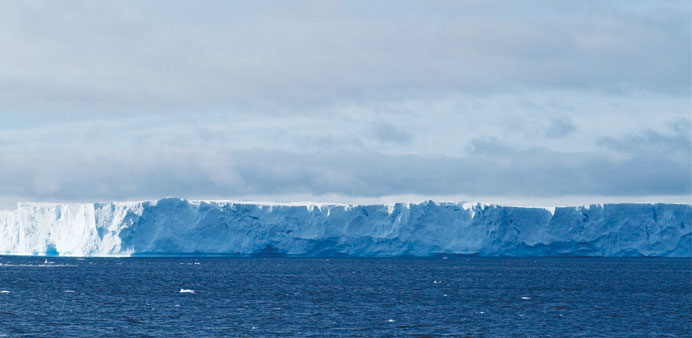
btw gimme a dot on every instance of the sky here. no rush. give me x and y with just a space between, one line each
532 102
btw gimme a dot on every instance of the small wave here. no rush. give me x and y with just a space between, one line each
525 298
187 291
69 291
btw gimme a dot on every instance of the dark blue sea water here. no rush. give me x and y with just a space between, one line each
366 297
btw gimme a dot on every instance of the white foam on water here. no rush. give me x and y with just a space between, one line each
69 291
38 265
187 291
525 298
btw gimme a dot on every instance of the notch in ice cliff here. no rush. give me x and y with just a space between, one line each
173 226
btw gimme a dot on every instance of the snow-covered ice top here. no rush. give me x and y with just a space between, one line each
176 226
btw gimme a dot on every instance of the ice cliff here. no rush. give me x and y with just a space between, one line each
177 226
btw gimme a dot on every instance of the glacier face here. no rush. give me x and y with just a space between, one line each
177 226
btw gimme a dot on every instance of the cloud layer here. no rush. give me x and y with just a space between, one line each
135 99
179 56
490 169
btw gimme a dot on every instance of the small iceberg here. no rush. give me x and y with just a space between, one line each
4 291
525 298
187 291
69 291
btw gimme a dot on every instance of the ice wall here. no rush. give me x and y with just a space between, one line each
177 226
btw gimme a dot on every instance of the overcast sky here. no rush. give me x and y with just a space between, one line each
550 102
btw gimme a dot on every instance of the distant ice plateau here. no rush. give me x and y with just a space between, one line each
173 226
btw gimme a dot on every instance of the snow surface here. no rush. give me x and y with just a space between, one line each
176 226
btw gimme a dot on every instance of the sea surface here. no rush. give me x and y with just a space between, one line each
350 297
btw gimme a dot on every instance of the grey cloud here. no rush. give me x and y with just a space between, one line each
128 99
489 146
387 133
332 142
150 173
135 57
677 142
560 127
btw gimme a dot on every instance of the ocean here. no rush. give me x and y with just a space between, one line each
345 297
